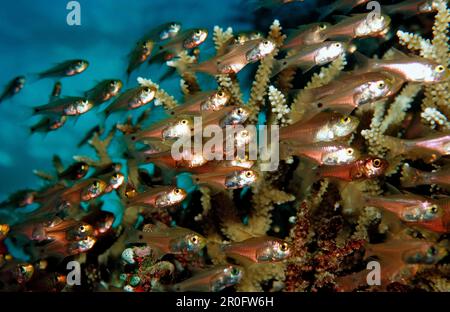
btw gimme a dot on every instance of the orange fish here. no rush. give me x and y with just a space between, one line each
310 56
411 7
233 61
345 95
55 229
201 101
226 178
262 249
364 168
415 210
322 153
397 257
64 248
408 67
359 26
324 127
132 99
159 197
168 240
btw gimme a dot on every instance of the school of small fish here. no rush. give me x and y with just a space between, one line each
155 243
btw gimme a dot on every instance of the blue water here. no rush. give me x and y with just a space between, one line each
34 36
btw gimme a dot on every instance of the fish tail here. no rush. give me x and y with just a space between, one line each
411 177
278 66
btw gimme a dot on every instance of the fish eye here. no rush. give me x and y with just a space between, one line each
337 44
221 94
177 191
184 122
350 151
266 42
198 32
432 251
194 239
248 174
439 68
284 247
380 84
235 271
240 111
96 184
433 209
82 228
377 162
147 89
323 26
345 120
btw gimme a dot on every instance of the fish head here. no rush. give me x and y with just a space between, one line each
58 122
373 24
216 101
274 250
84 244
116 180
103 225
229 276
81 170
423 211
342 155
180 128
261 50
81 231
428 6
84 105
147 94
343 126
191 242
94 190
237 116
24 272
114 87
330 52
172 30
172 197
196 37
241 178
374 167
79 66
425 253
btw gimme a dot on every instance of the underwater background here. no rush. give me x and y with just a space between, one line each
34 36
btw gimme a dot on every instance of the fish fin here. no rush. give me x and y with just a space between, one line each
306 67
362 60
392 189
396 53
278 66
409 176
44 175
57 163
